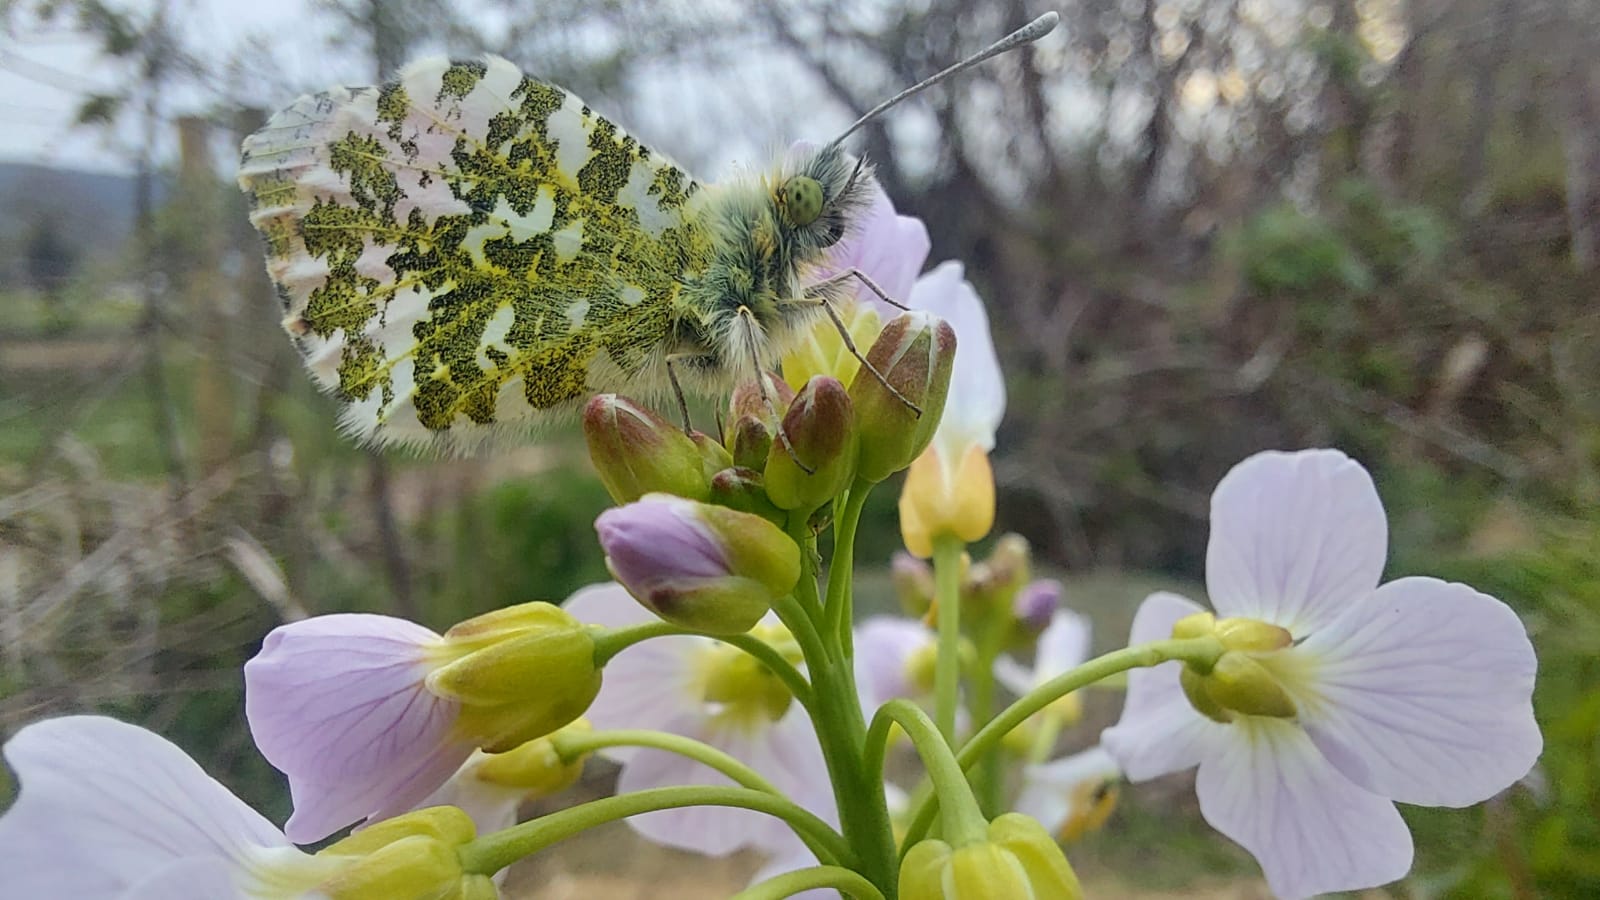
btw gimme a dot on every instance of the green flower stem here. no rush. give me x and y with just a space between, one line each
608 643
790 883
963 820
988 780
490 853
1202 651
841 730
947 669
837 613
1044 740
571 745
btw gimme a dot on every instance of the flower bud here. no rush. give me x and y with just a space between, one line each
914 353
744 490
1019 859
411 857
941 499
704 567
637 452
748 439
1237 685
913 583
534 769
743 688
518 673
1036 603
713 456
821 433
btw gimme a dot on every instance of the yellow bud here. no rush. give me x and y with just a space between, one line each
940 500
1242 684
535 767
1018 860
1252 634
519 673
1194 625
410 857
1194 688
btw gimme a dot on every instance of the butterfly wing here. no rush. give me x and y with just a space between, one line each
467 250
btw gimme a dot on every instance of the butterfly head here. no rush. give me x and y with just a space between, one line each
818 199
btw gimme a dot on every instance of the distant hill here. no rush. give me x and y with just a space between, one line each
93 209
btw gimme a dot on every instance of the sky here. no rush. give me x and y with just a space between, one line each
44 76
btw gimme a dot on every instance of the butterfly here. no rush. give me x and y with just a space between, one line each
468 251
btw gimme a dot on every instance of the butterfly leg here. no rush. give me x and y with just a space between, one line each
677 389
747 319
860 276
850 345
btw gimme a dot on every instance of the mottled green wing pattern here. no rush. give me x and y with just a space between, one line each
468 249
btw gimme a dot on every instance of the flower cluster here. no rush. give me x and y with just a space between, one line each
725 676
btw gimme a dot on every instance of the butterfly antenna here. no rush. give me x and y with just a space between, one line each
1027 34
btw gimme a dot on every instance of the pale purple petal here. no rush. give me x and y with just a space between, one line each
1426 690
338 703
1037 602
1063 646
659 539
884 646
648 685
104 806
771 751
977 399
1312 830
1050 789
1295 537
890 248
1159 731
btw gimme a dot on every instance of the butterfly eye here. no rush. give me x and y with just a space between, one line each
802 200
833 235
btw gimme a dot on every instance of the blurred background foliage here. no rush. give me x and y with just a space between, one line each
1204 228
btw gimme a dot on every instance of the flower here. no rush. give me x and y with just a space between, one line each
949 489
915 356
704 567
819 432
110 810
491 787
704 689
1073 795
369 714
1415 691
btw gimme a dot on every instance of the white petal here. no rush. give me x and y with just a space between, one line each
1063 645
608 604
1312 830
1159 731
1013 676
104 806
189 879
1427 690
1049 789
1294 537
977 398
795 857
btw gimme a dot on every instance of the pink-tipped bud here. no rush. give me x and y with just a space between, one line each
704 567
637 452
743 490
1036 603
752 420
914 353
821 433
